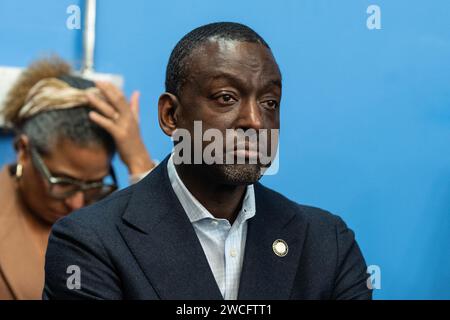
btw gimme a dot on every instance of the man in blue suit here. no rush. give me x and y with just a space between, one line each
207 231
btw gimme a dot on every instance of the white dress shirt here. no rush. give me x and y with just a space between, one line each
223 243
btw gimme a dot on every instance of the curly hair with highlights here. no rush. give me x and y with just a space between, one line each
46 129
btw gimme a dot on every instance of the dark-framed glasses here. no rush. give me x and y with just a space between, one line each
62 188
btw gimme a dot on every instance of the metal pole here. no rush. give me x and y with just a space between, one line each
89 37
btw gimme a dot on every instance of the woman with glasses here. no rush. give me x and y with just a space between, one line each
67 131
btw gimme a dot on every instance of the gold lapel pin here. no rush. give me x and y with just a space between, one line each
280 247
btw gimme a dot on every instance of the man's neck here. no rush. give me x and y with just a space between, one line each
222 201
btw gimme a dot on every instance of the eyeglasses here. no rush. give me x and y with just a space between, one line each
62 188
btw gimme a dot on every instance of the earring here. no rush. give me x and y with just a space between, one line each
19 171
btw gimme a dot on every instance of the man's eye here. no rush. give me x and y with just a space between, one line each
226 99
270 104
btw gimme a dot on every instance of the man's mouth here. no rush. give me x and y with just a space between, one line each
247 153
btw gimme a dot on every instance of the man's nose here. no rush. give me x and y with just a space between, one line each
75 201
250 116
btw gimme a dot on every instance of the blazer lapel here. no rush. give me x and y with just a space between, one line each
264 274
164 243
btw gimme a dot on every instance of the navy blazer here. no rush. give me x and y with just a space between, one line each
139 244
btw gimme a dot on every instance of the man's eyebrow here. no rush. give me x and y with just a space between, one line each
227 76
271 83
276 82
242 82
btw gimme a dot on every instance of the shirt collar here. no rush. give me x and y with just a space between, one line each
195 210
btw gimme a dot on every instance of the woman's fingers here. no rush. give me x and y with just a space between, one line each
134 104
123 126
113 95
102 106
104 122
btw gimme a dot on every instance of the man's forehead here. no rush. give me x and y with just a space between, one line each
216 53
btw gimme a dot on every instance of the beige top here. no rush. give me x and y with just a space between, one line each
22 245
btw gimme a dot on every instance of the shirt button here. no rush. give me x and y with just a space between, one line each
233 253
214 223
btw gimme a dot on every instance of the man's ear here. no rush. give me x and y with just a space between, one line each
168 112
21 144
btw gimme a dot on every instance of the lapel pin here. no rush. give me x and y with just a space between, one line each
280 247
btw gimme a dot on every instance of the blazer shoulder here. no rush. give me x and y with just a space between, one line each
313 215
105 211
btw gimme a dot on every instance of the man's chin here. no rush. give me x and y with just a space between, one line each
239 174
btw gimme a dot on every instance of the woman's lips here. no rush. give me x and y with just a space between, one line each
60 213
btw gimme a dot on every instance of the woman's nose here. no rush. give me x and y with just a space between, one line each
75 201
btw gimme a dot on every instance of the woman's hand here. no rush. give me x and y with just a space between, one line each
121 120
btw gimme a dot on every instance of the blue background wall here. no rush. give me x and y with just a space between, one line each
365 113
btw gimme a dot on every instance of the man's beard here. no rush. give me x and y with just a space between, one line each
237 174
